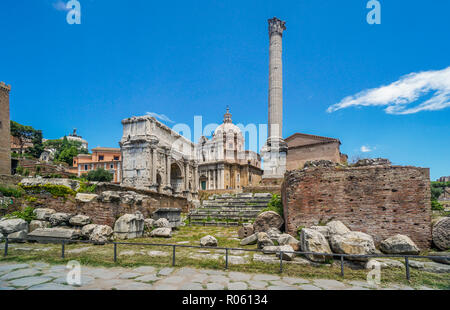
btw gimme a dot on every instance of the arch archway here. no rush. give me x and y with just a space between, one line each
176 178
158 182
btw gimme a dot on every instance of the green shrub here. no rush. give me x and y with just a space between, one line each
436 206
27 214
9 191
54 190
85 188
299 230
99 175
275 204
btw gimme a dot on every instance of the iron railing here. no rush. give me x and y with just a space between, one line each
227 250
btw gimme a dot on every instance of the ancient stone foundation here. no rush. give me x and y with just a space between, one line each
379 200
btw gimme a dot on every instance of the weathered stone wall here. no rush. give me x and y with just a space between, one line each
379 200
5 136
105 212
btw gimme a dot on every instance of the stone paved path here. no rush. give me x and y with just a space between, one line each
42 276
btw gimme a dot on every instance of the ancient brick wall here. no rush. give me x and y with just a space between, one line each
379 200
5 137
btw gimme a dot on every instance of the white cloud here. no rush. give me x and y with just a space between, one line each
160 116
60 5
398 96
366 149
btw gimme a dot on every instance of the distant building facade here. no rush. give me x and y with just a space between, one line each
303 147
5 135
443 179
223 162
109 159
74 137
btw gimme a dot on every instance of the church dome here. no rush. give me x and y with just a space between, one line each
227 125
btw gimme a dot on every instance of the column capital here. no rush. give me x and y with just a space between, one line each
276 26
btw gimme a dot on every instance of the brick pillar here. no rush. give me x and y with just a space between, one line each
5 133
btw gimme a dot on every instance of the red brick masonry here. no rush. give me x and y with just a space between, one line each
379 200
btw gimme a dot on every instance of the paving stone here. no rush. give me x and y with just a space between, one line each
165 271
265 277
218 279
147 278
330 284
361 283
200 278
357 288
134 286
101 273
214 272
281 288
51 287
295 281
258 285
29 281
57 268
165 287
308 287
191 287
172 280
145 269
187 272
239 276
85 280
237 286
41 265
214 286
100 284
129 275
8 268
21 273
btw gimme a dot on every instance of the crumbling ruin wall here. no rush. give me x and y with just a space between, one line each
379 200
110 204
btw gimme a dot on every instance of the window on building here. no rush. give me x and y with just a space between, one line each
112 166
101 157
86 167
116 157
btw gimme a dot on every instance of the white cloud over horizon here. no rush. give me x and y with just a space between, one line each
162 117
399 96
366 149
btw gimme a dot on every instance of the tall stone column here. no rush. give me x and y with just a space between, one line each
276 28
168 186
5 134
275 150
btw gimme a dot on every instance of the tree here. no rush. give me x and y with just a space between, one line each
26 134
68 154
65 149
99 175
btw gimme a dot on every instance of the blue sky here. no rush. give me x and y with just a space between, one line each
186 58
